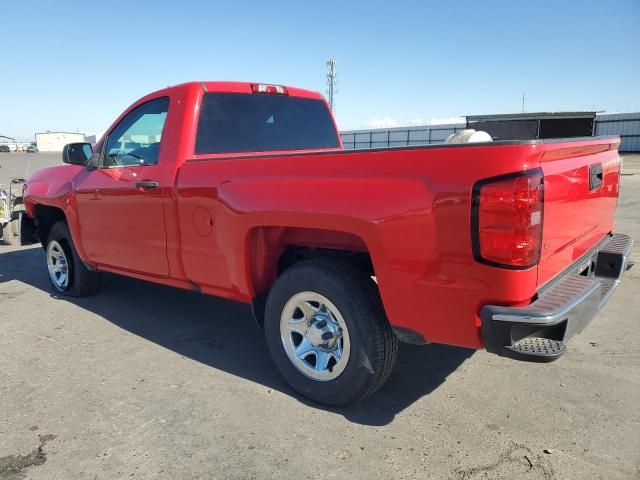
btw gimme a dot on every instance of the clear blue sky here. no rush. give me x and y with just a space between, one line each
76 65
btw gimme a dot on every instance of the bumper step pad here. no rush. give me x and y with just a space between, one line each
542 349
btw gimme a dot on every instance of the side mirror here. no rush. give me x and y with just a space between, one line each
77 153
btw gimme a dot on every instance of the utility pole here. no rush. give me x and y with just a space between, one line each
522 102
332 73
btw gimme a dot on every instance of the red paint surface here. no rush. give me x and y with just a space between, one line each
409 208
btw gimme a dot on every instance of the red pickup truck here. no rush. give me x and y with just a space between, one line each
243 191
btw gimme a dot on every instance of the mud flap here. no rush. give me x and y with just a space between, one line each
28 230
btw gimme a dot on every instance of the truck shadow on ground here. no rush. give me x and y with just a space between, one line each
224 335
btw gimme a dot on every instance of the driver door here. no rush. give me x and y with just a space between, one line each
120 206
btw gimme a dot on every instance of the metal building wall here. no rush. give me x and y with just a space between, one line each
627 125
55 141
398 137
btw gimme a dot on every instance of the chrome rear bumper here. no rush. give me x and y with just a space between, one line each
539 331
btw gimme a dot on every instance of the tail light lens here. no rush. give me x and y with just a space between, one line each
506 220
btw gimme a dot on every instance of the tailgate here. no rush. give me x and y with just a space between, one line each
581 181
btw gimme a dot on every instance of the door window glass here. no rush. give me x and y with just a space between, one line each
136 139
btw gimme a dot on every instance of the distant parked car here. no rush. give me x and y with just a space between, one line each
32 149
4 148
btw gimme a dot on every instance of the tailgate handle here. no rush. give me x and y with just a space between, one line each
595 176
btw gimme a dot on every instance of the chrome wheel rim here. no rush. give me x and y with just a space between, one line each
315 336
58 265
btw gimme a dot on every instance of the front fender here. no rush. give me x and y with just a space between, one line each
54 187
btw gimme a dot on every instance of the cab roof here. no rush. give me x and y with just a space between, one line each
242 87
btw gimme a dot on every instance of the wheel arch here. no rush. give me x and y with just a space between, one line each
46 216
270 250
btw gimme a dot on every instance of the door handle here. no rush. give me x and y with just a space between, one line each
147 184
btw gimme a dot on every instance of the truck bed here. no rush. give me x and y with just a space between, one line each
409 207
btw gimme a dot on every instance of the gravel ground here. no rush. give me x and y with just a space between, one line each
145 381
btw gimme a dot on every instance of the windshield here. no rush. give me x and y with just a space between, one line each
234 123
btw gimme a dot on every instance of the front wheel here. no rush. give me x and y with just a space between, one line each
327 332
68 275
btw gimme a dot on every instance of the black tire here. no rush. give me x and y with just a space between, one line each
82 282
373 345
16 228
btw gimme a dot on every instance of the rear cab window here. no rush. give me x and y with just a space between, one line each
244 123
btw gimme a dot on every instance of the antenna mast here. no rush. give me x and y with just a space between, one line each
332 73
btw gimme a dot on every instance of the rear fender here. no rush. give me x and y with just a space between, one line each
387 217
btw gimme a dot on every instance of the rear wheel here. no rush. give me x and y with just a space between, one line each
67 273
327 332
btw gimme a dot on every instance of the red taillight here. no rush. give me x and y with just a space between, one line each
270 89
507 220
